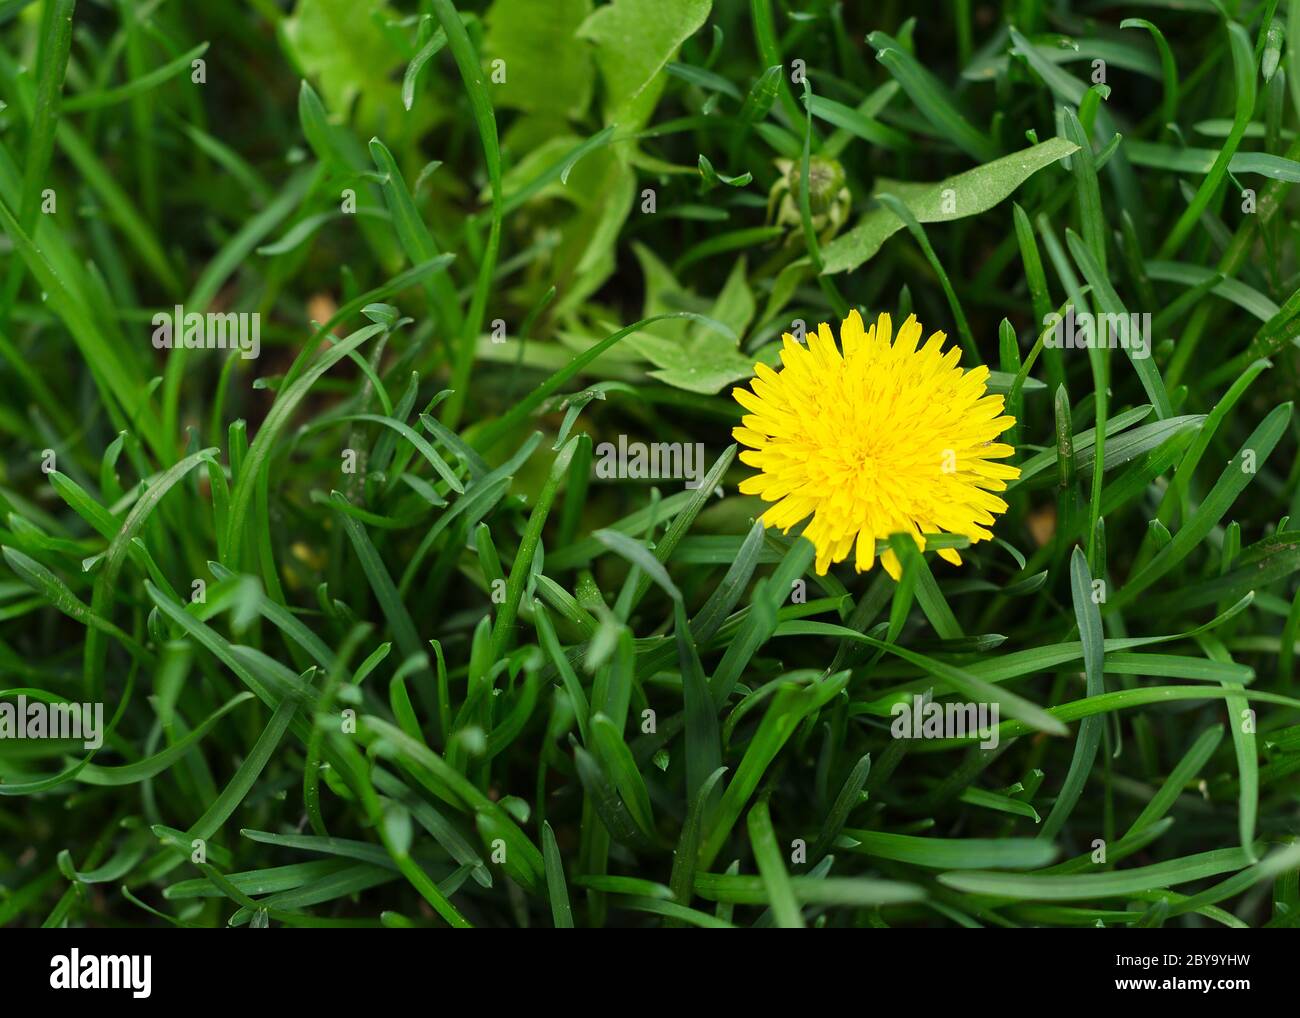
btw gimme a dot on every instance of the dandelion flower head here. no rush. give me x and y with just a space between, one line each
874 437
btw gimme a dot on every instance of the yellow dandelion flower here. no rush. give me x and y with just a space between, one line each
874 438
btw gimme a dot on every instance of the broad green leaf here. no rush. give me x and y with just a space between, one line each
693 356
548 68
342 46
973 192
634 40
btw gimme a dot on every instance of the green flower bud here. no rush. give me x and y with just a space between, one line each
825 182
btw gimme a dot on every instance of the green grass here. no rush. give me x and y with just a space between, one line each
377 642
